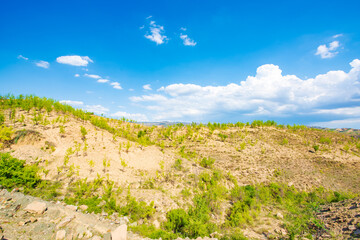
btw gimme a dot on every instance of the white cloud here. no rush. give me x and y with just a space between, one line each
149 17
338 35
92 76
328 51
72 103
149 98
343 123
268 93
187 41
77 75
98 109
116 85
346 111
22 57
42 64
133 116
183 29
147 87
74 60
156 33
101 80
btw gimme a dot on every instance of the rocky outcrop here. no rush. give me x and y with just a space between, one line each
26 216
36 207
341 220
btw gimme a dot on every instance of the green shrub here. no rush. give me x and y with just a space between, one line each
324 140
207 162
83 132
5 134
177 165
237 235
137 210
2 119
177 220
151 232
284 142
14 173
223 137
47 190
316 147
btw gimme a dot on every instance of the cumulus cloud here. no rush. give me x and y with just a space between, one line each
92 76
22 57
187 41
77 75
156 33
268 93
147 87
328 51
116 85
133 116
74 60
102 80
42 64
72 103
97 109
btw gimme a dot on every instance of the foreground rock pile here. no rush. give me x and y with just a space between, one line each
341 220
25 217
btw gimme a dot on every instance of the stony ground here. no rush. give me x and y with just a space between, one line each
341 220
25 217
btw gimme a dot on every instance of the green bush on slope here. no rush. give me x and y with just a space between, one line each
15 173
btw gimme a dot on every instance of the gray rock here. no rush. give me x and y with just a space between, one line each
36 207
96 238
72 207
156 224
107 236
65 221
83 207
60 235
120 233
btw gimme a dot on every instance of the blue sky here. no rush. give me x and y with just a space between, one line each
224 61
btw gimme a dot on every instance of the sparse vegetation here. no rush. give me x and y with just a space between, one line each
83 132
207 162
215 188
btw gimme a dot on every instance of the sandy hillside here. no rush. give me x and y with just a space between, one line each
242 155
